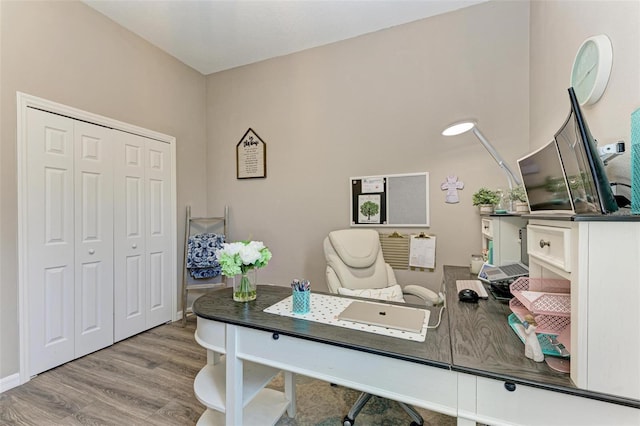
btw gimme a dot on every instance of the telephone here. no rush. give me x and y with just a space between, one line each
430 297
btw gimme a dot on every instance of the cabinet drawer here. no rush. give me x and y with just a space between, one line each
487 228
551 245
531 406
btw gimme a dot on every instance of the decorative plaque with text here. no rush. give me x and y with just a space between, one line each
251 156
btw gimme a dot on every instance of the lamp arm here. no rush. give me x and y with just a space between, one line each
511 177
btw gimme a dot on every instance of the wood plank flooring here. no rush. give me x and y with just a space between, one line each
148 380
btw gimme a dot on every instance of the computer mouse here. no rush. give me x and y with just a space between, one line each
469 296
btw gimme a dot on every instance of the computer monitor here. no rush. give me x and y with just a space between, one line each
544 181
567 175
587 180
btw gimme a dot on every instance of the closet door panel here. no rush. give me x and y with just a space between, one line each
158 203
50 240
129 236
94 237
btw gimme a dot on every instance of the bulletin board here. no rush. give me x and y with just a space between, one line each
390 200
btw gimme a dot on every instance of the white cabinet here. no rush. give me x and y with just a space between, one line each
215 385
600 258
142 230
501 238
84 214
500 403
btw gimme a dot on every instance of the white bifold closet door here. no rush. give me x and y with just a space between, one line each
69 239
142 234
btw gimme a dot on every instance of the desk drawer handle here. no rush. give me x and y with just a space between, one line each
275 336
544 243
510 386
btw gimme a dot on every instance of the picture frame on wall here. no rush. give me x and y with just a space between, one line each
399 200
251 157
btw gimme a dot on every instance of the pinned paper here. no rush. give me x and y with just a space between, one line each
422 251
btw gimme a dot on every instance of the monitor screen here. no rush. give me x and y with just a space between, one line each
544 181
587 180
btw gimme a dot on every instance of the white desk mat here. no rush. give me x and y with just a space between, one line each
325 309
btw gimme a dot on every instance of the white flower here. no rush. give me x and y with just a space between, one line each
232 248
256 245
241 256
249 254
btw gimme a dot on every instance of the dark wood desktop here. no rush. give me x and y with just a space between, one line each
470 366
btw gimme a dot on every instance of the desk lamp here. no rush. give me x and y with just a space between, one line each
464 126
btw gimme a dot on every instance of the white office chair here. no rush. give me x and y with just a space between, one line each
356 267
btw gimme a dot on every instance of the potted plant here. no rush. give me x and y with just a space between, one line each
486 199
519 199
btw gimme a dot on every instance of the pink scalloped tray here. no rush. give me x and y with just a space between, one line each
548 324
543 296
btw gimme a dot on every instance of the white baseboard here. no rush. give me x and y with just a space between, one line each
9 382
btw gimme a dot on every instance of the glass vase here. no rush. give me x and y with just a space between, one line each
244 286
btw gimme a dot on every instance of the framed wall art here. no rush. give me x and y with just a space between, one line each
390 200
251 156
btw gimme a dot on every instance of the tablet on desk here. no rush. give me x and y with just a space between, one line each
383 315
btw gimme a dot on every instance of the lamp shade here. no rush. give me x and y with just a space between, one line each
463 126
458 128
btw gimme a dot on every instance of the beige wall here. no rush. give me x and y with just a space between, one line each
371 105
558 28
68 53
368 106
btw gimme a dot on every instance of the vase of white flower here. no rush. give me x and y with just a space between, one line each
240 260
244 286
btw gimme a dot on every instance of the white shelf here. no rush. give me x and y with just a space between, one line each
210 383
266 408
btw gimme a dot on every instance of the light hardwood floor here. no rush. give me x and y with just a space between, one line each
148 380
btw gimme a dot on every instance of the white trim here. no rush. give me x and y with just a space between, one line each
9 382
25 101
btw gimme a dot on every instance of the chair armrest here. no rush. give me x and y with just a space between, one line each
391 276
429 296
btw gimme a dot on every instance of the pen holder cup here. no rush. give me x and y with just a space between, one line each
301 302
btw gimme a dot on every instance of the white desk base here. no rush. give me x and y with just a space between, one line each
470 398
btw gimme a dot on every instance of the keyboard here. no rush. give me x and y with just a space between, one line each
514 269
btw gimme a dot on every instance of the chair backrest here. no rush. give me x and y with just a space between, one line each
355 261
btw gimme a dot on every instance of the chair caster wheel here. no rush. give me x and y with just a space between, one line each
347 421
416 424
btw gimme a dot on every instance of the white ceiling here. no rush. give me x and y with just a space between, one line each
215 35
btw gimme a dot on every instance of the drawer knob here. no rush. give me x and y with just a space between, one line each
510 386
275 336
544 243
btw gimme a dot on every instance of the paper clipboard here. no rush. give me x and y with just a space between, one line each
422 251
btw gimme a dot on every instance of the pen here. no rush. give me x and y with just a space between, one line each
298 285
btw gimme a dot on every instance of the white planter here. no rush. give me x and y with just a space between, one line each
521 207
486 208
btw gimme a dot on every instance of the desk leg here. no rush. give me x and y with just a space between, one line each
467 396
213 358
290 392
234 379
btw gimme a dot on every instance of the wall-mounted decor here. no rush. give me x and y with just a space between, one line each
251 156
391 200
451 184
